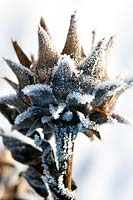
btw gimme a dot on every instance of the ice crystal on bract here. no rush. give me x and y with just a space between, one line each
62 94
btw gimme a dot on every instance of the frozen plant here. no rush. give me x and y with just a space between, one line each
60 94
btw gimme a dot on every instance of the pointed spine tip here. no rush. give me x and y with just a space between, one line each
74 13
41 20
13 41
101 44
9 62
74 16
44 25
111 41
6 60
22 57
42 32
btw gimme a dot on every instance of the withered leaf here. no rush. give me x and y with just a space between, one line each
9 113
35 181
21 151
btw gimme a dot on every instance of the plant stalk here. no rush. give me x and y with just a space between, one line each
69 169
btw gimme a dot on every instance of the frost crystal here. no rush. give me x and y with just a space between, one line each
30 112
41 94
94 65
13 100
65 190
56 111
59 95
81 99
64 78
38 140
84 121
24 75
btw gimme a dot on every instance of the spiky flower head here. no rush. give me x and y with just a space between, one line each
63 94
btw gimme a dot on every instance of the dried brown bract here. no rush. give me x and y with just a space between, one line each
62 94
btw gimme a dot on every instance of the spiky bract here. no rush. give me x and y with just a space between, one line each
63 94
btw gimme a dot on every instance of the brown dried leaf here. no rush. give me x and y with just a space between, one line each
21 151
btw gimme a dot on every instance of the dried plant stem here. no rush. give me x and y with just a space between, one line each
69 170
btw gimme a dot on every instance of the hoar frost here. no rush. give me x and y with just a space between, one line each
61 94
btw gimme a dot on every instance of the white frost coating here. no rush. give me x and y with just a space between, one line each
31 111
37 140
63 189
21 138
18 68
66 61
106 85
64 145
68 145
96 59
11 100
45 42
83 99
8 99
32 89
110 88
119 86
46 119
85 121
56 111
67 116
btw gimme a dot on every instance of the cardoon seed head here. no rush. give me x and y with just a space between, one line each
61 94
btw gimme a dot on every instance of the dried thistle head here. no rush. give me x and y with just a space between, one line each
63 94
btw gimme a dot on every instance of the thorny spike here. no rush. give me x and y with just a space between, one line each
44 26
64 79
93 40
109 46
73 46
47 57
13 100
110 43
32 58
120 119
24 60
90 133
48 54
24 75
107 93
61 96
94 64
11 83
40 94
